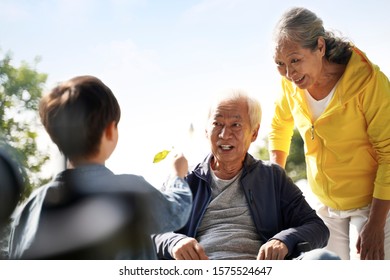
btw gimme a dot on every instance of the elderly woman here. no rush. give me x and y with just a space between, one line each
340 102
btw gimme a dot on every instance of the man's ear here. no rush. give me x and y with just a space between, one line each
255 133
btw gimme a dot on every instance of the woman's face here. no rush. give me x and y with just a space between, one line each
302 66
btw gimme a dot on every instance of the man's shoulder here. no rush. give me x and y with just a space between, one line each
264 165
265 171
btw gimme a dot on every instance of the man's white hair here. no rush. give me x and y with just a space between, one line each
254 107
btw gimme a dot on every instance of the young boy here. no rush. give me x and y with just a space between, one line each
87 212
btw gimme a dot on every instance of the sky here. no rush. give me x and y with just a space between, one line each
164 59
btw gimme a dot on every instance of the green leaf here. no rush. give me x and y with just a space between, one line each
160 156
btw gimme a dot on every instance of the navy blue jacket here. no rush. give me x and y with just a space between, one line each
277 205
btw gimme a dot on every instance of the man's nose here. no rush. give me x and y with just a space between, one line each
225 132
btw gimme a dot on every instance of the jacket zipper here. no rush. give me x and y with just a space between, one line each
312 132
321 117
203 211
250 196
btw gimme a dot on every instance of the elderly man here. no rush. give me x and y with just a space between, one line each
243 208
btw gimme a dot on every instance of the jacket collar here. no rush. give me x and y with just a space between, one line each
357 76
202 170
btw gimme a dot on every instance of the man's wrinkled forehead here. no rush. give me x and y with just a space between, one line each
228 110
226 115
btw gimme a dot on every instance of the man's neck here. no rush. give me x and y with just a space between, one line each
225 171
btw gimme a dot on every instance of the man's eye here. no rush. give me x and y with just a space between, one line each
294 60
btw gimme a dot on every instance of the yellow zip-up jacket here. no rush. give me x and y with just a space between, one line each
347 149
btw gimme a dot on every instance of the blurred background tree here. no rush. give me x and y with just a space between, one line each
20 91
295 165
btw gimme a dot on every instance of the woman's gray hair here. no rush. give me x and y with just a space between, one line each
254 107
302 26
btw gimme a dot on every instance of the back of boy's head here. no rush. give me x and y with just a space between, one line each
76 113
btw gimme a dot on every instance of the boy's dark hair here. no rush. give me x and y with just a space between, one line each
76 113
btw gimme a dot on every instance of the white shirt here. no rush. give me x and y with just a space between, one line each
317 107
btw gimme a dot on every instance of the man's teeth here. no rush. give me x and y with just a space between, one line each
298 80
226 147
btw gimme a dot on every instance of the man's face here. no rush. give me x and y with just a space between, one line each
229 132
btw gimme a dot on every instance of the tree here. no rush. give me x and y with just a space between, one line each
295 165
20 90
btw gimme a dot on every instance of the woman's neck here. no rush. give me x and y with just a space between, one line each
327 82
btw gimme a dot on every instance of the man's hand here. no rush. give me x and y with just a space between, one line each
273 250
188 249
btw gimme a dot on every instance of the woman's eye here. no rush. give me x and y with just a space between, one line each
294 60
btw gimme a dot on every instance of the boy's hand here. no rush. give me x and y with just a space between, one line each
180 165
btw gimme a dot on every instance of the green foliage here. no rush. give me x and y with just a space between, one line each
20 90
295 165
